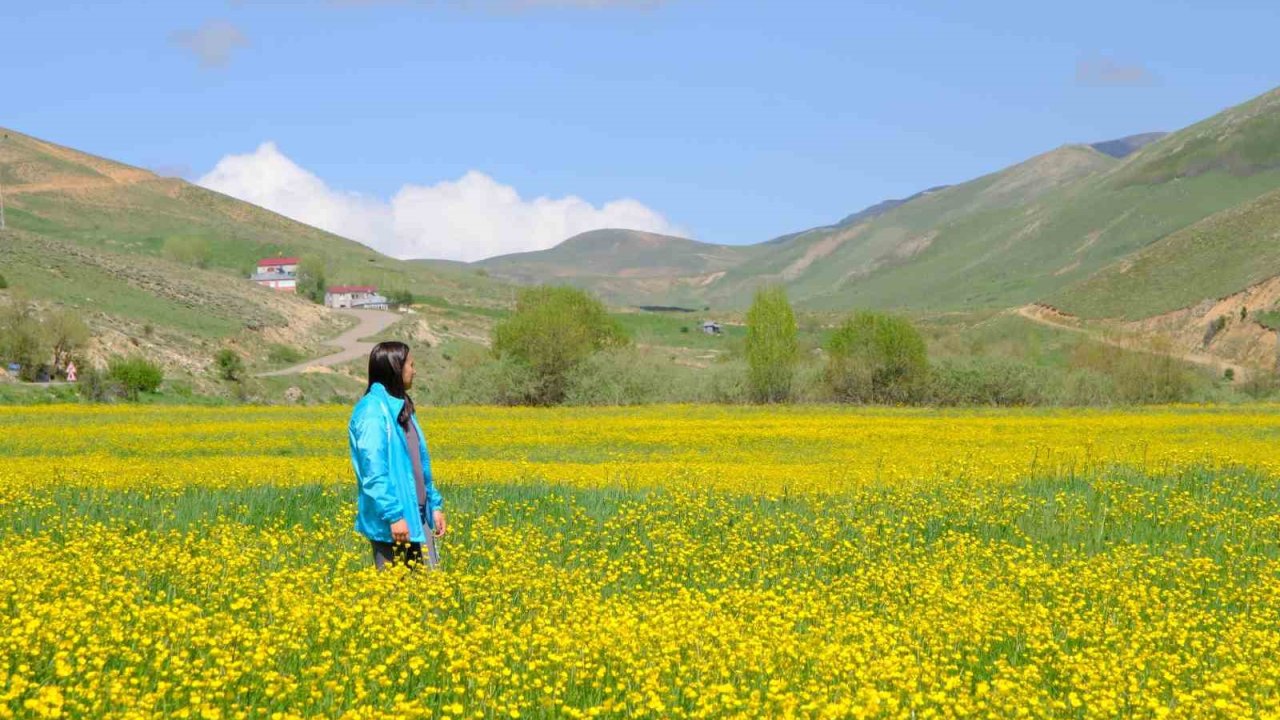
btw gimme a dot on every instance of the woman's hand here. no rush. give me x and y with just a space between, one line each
400 531
440 525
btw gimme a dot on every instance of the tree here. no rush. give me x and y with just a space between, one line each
229 363
311 280
876 358
771 347
22 339
552 331
187 250
66 333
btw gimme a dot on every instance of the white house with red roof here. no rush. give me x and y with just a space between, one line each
356 297
278 273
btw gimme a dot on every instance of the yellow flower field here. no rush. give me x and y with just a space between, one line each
656 562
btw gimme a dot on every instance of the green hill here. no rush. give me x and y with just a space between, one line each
625 266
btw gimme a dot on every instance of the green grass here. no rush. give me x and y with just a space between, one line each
1209 260
675 329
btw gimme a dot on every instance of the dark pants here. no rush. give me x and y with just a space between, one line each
410 554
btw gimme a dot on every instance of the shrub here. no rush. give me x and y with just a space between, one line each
1088 387
1260 386
876 358
3 283
95 386
1138 377
229 364
482 379
621 376
553 330
135 375
771 346
1215 326
988 381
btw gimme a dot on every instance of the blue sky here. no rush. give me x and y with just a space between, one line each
431 128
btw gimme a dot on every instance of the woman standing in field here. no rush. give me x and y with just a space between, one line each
397 507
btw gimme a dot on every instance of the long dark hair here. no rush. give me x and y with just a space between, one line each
386 366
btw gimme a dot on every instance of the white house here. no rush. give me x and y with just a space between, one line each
278 273
356 297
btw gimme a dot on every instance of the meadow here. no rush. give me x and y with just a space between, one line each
670 561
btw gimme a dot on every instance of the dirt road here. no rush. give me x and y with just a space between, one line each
371 322
1050 317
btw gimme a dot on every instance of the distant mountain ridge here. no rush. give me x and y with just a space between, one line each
1070 227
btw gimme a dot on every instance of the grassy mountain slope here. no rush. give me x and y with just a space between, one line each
1164 214
948 231
91 233
1210 259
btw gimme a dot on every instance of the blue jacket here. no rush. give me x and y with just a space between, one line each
384 471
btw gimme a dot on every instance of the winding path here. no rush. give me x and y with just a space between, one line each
1044 316
370 322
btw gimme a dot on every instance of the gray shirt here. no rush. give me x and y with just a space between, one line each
415 457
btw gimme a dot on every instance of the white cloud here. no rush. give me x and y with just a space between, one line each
470 218
212 43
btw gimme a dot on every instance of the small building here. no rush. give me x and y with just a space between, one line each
278 273
711 327
355 297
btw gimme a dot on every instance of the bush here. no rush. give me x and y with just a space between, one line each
1088 387
553 330
229 364
481 379
876 358
3 283
622 376
1214 327
135 375
988 381
95 386
1137 377
771 346
1260 386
